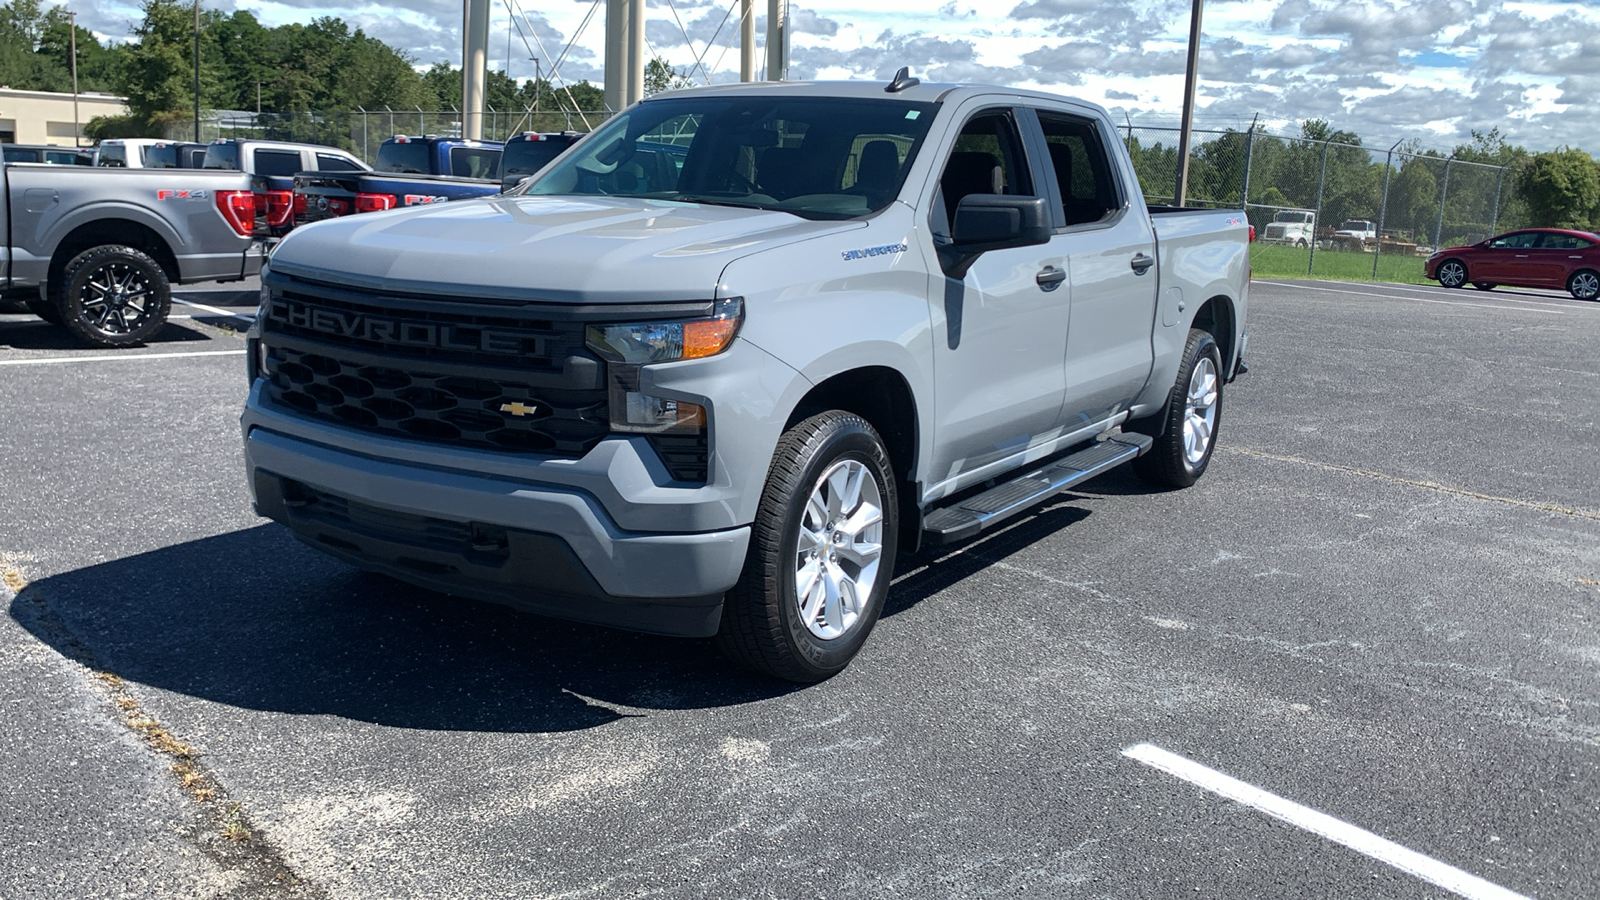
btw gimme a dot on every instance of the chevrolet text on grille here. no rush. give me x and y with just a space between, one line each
404 333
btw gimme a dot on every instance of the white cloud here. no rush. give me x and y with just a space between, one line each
1385 69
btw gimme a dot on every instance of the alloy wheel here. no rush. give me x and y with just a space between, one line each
839 553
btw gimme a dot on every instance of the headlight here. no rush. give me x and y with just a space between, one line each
627 347
642 343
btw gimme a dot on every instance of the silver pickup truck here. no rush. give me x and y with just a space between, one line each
97 249
722 396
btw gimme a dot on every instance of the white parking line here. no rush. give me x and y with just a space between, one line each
1340 832
249 317
113 358
1307 287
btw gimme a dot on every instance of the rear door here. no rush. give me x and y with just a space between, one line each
1558 256
1110 252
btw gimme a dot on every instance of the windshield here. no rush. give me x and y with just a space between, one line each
819 158
1356 225
1296 218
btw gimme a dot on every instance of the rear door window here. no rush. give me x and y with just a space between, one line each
114 156
277 162
328 162
1082 169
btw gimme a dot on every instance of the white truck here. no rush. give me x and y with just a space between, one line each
1292 228
721 397
1355 234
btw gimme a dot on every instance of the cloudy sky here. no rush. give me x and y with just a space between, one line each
1427 69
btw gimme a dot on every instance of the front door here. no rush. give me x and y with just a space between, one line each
997 358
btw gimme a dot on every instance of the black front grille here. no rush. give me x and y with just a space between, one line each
470 374
411 401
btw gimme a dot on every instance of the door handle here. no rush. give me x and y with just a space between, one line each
1051 277
1523 255
1141 263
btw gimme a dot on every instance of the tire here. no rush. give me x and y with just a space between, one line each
1484 285
769 623
1301 244
1584 284
1452 273
1191 416
113 296
44 309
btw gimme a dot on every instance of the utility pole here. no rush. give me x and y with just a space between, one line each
258 99
72 20
197 70
1191 77
474 66
777 40
747 40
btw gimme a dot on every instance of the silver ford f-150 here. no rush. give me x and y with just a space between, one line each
97 249
719 397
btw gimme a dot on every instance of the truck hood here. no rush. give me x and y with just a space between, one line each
559 249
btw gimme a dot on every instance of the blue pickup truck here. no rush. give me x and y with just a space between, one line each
410 171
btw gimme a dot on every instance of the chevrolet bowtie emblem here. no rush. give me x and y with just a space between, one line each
518 409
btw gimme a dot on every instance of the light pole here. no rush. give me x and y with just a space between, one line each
258 100
197 69
72 25
1191 76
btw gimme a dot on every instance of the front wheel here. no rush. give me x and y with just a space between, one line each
113 296
821 553
1452 273
1183 447
1584 285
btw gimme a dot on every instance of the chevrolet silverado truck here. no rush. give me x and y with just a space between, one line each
724 398
410 171
96 250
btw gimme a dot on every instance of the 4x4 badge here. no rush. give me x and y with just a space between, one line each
518 408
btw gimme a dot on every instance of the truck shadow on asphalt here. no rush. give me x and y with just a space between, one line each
254 619
37 334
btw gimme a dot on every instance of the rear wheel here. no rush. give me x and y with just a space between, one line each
113 296
821 552
1183 448
1452 273
1584 285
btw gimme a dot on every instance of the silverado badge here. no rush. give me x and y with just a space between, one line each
518 408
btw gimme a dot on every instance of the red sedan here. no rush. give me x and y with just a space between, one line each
1532 257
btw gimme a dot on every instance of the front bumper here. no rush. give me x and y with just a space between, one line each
539 547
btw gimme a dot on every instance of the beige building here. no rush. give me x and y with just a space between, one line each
40 117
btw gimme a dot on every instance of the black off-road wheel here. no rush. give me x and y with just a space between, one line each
1191 416
113 296
821 555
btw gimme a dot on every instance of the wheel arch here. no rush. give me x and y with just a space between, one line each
883 396
102 232
1218 318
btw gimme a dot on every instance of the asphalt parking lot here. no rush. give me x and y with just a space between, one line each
1360 658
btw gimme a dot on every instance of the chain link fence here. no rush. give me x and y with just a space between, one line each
1321 208
1328 209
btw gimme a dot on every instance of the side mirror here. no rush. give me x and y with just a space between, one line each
986 222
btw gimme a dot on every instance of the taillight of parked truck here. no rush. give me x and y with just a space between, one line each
279 207
374 202
239 208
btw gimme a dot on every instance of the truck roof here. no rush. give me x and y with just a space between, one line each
922 92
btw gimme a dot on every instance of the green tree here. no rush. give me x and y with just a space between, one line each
1562 189
659 76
